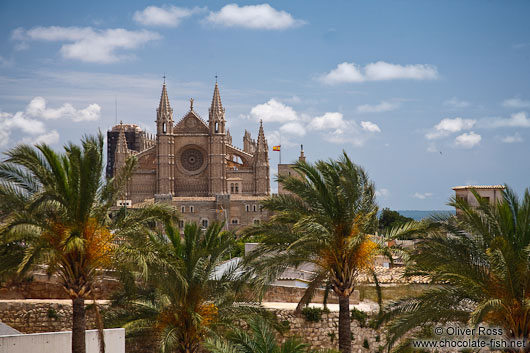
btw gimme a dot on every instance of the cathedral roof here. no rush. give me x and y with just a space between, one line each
184 124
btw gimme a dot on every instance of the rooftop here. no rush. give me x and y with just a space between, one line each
468 187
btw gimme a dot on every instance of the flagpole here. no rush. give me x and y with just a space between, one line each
280 148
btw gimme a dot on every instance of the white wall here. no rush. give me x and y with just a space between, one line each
61 342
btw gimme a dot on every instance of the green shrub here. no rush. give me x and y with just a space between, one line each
52 314
312 314
359 316
366 344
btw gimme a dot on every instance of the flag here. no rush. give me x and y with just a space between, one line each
276 148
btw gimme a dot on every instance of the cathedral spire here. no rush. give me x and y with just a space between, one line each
164 114
262 141
217 106
164 106
217 113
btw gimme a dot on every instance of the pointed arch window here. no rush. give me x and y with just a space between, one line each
164 127
216 126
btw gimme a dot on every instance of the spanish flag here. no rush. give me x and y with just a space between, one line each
276 148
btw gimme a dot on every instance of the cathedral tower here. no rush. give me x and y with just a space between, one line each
164 145
217 145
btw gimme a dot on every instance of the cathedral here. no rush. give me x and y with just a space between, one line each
193 164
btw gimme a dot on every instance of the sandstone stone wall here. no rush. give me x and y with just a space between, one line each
293 294
32 316
324 334
41 286
390 276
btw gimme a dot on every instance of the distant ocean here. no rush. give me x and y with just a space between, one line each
419 215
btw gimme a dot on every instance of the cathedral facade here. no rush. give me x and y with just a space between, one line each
193 164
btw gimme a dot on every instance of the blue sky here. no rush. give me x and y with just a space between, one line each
425 95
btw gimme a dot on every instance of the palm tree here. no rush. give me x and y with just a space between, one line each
56 209
180 294
325 221
259 338
478 262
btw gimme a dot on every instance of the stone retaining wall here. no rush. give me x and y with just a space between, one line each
42 286
324 334
286 294
32 316
41 316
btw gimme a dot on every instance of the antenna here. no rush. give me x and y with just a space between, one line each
116 110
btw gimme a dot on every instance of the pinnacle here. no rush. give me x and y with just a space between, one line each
261 133
216 100
262 142
164 101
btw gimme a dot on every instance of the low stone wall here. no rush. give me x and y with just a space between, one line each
390 276
34 316
41 286
324 333
286 294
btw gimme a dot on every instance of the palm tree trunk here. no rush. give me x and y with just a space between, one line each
78 325
344 325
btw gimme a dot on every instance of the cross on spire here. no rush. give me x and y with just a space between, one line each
164 77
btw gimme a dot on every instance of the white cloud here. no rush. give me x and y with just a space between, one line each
273 111
88 44
369 126
382 193
457 103
345 72
5 62
516 103
293 128
338 130
378 71
432 148
293 100
28 121
167 16
448 126
421 196
515 120
37 108
328 121
253 16
50 138
332 125
512 139
275 138
468 140
17 121
384 106
21 122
